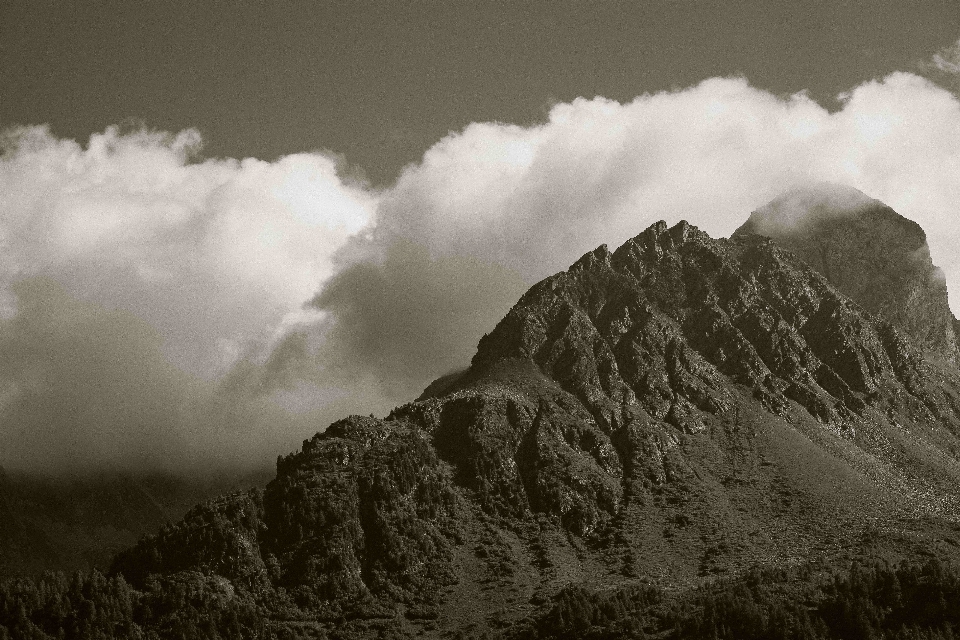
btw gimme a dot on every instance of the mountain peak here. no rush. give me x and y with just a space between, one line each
799 208
673 410
869 252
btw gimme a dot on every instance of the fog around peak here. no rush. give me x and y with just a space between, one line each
159 310
806 204
833 195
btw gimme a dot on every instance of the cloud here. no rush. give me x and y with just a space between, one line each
240 305
494 208
948 59
411 316
133 279
69 363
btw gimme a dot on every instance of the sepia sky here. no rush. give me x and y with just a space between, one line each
380 82
225 225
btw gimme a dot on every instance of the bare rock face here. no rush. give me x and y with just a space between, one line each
869 252
663 325
671 410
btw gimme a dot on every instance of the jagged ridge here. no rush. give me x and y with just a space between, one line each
670 410
870 253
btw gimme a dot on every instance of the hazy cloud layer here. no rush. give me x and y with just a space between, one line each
132 280
510 205
246 304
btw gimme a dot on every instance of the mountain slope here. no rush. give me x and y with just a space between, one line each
680 408
868 252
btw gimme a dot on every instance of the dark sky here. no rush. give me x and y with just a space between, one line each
381 81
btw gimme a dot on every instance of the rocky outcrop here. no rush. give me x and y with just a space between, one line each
670 410
870 253
220 537
661 326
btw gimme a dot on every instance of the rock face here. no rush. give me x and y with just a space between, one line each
678 408
870 253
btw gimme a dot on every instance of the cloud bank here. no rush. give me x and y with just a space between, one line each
230 308
494 208
132 280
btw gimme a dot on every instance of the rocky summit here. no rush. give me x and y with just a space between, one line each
870 253
676 413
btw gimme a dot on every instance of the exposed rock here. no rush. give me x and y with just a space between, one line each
674 409
870 253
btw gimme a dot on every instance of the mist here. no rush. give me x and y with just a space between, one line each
161 311
512 205
134 279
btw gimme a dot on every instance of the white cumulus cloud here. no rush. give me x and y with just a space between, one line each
268 298
188 265
496 207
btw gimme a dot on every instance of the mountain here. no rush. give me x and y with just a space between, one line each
678 415
870 253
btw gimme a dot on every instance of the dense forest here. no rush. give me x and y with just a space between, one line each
910 601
